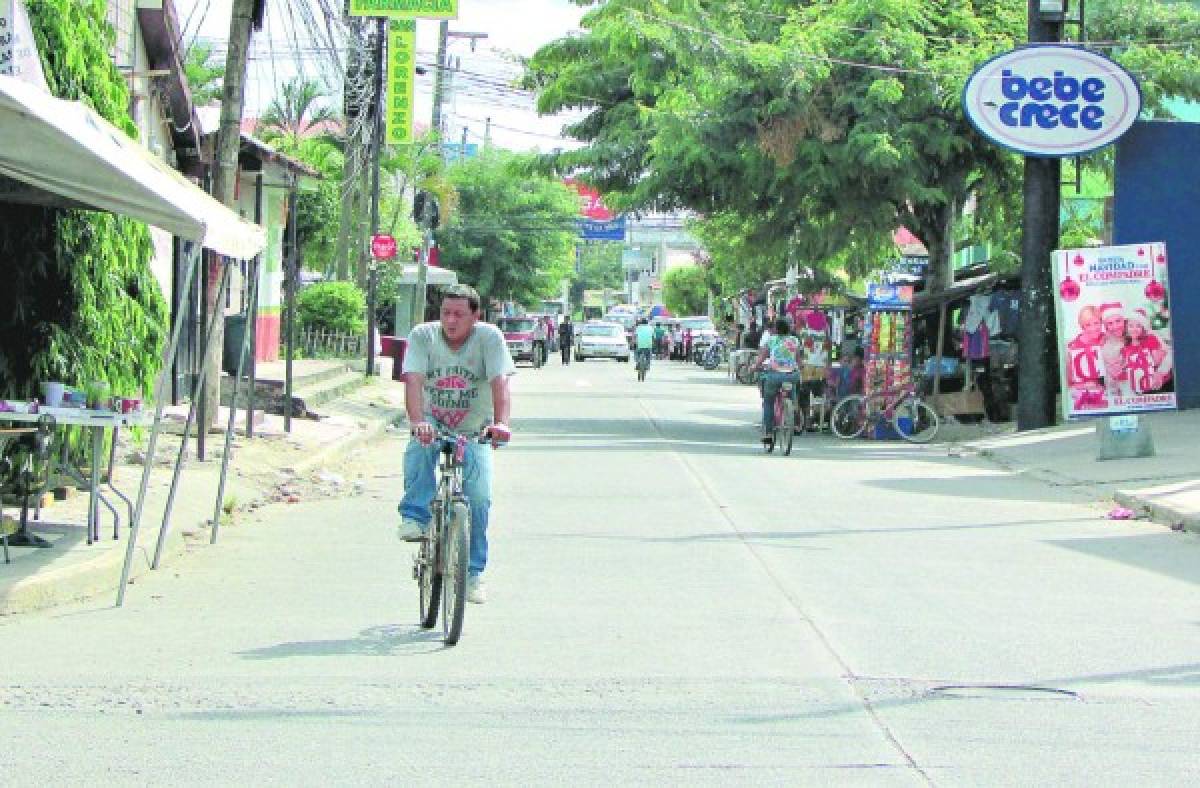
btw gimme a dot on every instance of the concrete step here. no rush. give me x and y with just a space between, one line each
269 390
314 395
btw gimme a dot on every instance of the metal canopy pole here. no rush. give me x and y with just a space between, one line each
229 430
218 314
253 327
289 289
193 255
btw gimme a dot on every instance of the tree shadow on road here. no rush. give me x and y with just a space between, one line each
392 640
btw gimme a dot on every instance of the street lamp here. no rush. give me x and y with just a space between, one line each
1052 10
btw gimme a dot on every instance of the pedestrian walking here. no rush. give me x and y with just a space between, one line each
566 338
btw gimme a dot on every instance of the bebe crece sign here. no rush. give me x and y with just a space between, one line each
1051 100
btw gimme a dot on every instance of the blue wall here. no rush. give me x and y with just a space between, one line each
1158 199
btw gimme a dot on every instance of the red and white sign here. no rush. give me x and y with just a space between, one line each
591 204
1116 352
383 247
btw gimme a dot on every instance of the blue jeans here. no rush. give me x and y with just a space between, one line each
420 486
771 383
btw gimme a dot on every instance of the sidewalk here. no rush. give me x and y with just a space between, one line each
273 465
1165 488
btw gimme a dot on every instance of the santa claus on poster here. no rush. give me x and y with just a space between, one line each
1114 330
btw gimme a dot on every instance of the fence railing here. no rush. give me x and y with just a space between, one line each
324 342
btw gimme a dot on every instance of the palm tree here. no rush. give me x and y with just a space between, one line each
297 108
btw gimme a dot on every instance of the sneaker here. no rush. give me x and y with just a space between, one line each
476 592
410 530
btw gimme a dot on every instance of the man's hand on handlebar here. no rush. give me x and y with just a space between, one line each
424 432
498 434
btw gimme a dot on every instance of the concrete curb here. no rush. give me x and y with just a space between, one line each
100 574
341 448
1164 514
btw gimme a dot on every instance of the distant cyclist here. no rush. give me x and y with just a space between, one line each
643 336
779 356
456 379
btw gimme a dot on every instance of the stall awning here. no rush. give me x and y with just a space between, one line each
72 157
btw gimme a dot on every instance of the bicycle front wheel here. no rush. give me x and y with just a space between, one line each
429 579
849 417
456 549
915 421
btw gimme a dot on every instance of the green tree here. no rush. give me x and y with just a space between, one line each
205 74
332 306
79 303
685 290
598 267
293 113
513 235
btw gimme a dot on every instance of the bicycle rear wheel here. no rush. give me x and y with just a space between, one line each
785 427
915 421
849 417
429 578
456 549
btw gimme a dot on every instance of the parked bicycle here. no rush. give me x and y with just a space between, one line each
440 565
902 408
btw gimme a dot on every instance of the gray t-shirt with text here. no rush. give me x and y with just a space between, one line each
458 392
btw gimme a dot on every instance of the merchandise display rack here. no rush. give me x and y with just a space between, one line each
888 335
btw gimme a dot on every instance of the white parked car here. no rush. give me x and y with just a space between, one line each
600 339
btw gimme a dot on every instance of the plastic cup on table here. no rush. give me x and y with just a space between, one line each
52 394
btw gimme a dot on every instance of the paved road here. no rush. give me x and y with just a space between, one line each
669 606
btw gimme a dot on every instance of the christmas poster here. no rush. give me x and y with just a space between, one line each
1114 330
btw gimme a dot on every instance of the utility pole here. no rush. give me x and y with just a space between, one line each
1038 382
487 133
229 139
439 82
376 154
417 313
352 109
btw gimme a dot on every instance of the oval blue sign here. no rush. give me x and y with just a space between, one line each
1052 100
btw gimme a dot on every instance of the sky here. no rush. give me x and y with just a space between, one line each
281 51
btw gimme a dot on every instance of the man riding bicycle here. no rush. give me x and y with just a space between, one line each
456 374
643 340
779 357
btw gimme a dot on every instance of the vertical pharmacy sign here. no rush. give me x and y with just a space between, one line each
1114 338
401 66
402 54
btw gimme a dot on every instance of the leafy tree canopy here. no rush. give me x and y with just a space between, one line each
205 74
824 125
599 267
685 291
513 235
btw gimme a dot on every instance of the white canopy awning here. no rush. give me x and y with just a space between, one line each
66 149
439 277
